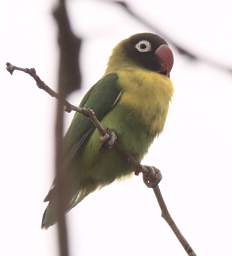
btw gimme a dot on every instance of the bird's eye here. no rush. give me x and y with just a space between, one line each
143 46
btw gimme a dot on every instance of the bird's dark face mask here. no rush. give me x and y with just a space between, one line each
150 51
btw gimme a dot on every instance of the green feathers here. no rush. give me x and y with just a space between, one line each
132 100
101 98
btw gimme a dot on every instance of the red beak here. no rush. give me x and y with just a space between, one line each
165 56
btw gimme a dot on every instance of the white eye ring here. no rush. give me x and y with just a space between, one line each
143 46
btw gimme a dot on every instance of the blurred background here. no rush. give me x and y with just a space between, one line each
193 152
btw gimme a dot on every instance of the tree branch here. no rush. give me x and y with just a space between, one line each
180 49
168 218
69 50
149 173
68 107
61 180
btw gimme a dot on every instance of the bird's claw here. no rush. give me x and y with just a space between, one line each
88 112
109 139
151 175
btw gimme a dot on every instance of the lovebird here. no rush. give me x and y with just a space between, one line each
131 100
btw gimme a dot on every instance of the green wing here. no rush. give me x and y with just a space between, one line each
101 98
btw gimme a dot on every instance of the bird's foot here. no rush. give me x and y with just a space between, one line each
151 175
109 139
88 112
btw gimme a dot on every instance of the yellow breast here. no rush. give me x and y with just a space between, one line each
148 93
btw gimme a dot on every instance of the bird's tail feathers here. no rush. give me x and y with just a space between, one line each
50 214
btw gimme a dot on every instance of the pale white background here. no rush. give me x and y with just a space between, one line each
194 151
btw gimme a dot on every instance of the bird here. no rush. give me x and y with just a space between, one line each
132 100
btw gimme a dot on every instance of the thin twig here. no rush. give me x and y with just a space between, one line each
180 49
164 210
167 217
131 160
68 107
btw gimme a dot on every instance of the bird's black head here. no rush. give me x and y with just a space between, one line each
151 52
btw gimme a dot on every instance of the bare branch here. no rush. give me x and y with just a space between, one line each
151 175
31 71
151 180
63 89
167 217
60 180
69 50
180 49
68 107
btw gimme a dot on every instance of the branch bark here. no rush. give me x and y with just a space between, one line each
168 218
69 79
68 107
151 177
179 48
69 50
